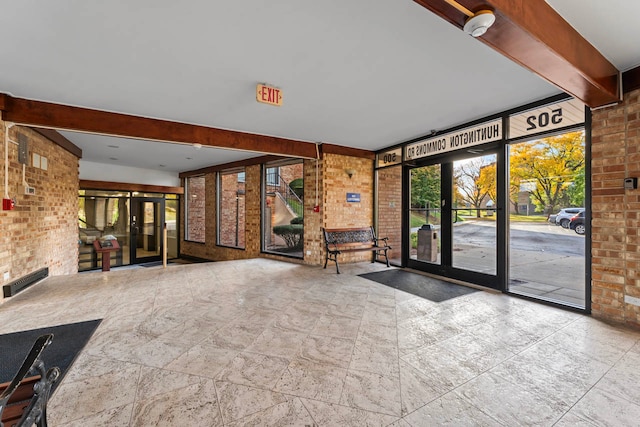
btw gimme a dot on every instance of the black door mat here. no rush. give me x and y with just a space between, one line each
68 341
417 284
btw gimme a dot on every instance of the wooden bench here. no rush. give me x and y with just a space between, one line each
23 401
339 240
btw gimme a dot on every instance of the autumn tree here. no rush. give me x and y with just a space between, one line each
473 183
552 166
488 181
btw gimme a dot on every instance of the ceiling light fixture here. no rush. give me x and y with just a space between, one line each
479 23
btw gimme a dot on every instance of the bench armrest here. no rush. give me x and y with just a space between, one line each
384 239
30 362
41 389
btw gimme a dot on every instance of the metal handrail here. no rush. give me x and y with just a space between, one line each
287 194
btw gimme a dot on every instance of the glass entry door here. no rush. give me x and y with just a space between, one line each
453 219
147 219
474 230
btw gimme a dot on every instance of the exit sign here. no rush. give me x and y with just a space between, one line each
268 95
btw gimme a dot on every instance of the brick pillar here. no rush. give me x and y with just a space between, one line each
616 212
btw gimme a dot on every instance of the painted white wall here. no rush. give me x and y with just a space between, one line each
113 173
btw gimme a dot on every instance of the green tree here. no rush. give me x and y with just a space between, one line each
576 189
425 187
551 166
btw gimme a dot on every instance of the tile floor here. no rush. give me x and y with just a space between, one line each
262 342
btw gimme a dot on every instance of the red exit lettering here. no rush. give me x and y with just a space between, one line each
269 95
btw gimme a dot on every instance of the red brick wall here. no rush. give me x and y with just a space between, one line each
313 221
196 221
334 211
232 217
209 249
337 212
42 230
390 208
291 172
616 211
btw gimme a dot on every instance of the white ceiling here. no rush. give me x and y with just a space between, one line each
357 73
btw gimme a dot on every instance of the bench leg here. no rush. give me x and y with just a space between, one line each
332 256
385 255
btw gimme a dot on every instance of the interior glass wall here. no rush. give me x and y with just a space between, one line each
548 220
102 214
283 203
134 220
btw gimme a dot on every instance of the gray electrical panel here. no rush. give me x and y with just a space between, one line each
23 149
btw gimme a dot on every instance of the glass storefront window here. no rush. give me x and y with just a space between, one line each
283 212
231 209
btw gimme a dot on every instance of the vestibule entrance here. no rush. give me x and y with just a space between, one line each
135 219
479 203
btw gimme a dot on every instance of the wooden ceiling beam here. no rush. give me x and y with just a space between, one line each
64 117
86 184
534 35
59 139
346 151
631 79
231 165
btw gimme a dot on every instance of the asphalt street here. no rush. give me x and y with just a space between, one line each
545 260
525 236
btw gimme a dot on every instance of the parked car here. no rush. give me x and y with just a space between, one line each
563 217
577 223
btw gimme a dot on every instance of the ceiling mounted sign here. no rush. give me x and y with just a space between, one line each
268 95
389 158
464 138
547 118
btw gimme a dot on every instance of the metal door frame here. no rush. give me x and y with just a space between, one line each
136 202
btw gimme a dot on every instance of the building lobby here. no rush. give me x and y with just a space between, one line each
195 198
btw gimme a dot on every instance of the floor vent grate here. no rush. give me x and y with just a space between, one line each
24 282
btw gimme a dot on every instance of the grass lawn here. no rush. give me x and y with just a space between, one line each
512 218
417 219
528 218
